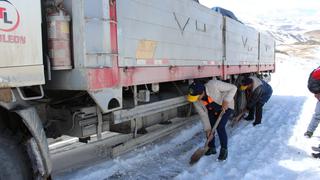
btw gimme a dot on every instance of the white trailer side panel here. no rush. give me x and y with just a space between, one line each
168 32
91 32
241 43
267 49
91 43
21 61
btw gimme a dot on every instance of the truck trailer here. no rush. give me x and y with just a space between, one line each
88 80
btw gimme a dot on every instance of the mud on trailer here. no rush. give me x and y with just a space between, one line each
102 74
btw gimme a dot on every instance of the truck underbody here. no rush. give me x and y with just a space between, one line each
110 76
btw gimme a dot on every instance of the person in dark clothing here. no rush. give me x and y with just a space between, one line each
213 117
259 93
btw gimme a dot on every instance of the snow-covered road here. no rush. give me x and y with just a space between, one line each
276 149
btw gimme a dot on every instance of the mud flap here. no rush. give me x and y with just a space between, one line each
33 123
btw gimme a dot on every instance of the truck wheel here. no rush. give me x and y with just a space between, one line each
14 162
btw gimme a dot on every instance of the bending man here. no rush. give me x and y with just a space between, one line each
209 100
259 93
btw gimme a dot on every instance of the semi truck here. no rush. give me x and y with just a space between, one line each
87 80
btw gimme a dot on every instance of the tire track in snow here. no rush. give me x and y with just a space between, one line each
268 140
170 158
163 161
273 147
266 147
247 137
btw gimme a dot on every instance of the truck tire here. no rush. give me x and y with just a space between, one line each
14 163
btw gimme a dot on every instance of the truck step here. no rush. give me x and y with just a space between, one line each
77 155
155 132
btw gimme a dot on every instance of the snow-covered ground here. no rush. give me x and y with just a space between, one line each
276 149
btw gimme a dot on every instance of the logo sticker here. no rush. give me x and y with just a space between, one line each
9 16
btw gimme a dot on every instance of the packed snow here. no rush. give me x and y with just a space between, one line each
276 149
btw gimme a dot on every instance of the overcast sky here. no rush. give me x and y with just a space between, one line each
247 8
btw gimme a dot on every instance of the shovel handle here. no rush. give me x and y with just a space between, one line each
240 115
214 128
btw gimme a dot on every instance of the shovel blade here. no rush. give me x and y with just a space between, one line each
197 155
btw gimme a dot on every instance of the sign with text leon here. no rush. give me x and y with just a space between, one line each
20 33
10 18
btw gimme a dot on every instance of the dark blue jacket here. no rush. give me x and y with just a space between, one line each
260 95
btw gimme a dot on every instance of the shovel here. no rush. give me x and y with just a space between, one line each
236 119
201 151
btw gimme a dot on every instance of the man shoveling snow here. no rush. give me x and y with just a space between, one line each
209 101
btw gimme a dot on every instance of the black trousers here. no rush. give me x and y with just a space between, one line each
221 129
256 112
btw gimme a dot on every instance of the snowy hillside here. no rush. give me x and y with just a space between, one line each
296 34
286 20
284 30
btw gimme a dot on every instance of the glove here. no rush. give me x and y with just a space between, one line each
225 105
208 132
209 135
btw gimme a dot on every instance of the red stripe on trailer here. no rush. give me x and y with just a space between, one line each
240 69
102 78
113 27
147 75
267 67
165 61
107 77
114 42
149 61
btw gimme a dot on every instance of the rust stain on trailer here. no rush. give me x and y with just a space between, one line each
5 95
5 82
146 49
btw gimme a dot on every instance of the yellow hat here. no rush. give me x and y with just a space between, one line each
195 90
191 98
242 88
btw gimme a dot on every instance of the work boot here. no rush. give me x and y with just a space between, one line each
249 118
308 134
316 155
256 123
251 114
223 154
211 150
